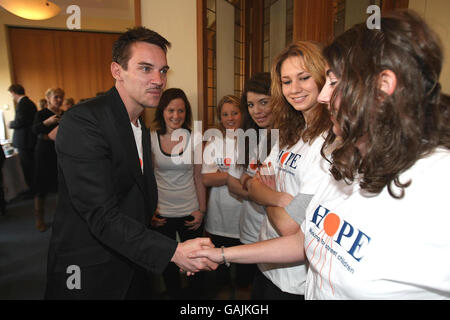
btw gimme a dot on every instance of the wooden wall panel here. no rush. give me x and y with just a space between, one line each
104 50
33 61
254 21
389 5
202 62
78 52
313 20
78 62
137 13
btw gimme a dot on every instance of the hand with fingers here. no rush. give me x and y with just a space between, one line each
266 175
158 220
193 265
212 254
196 222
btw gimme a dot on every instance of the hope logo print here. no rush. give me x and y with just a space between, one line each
223 163
253 165
286 158
335 231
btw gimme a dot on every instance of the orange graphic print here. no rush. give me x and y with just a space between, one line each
331 224
330 227
284 157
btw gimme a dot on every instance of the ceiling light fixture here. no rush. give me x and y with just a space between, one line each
31 9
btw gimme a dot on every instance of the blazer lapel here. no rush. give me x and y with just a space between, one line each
126 137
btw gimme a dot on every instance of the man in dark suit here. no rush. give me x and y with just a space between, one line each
101 245
24 139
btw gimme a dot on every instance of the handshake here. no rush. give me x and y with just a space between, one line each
197 255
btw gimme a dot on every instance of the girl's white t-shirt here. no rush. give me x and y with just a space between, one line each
299 169
362 246
252 214
224 208
177 196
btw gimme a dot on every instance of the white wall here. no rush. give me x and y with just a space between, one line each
177 22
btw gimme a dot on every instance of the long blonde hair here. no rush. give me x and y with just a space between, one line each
290 122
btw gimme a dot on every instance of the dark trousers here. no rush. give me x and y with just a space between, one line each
264 289
2 194
140 286
27 162
171 276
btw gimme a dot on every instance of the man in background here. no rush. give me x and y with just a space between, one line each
24 139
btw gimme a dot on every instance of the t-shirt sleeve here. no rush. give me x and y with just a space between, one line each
297 208
236 171
209 164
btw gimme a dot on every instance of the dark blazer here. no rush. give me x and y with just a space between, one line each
105 204
23 137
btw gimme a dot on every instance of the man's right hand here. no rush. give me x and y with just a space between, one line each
182 260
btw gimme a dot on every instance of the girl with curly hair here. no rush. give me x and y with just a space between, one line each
377 228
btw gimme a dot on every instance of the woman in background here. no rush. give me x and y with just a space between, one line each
181 193
46 169
257 114
224 208
67 104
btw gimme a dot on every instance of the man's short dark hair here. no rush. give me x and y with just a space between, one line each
121 48
17 89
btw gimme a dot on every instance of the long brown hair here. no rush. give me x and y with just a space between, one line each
290 122
400 128
258 83
167 96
